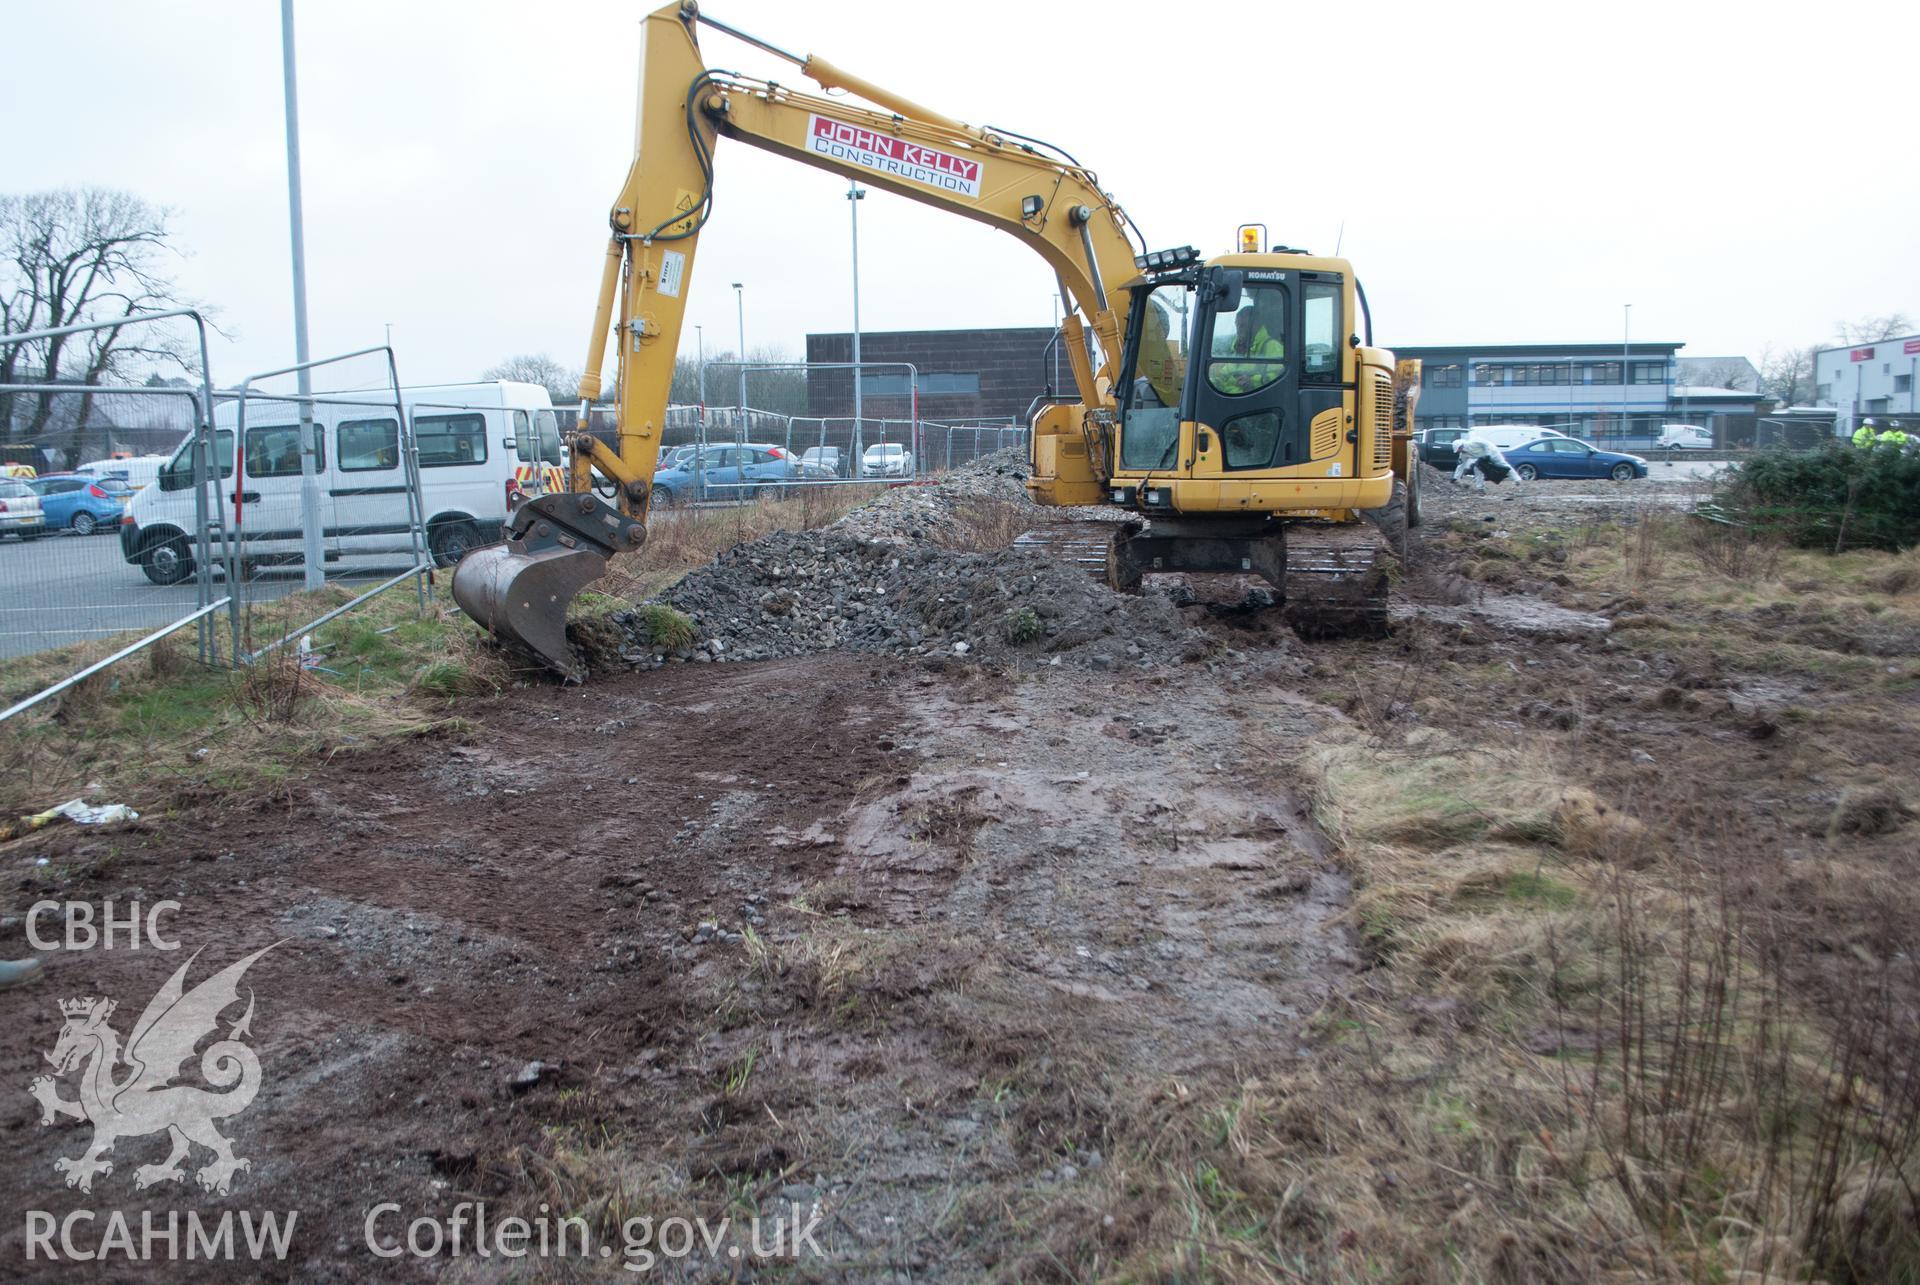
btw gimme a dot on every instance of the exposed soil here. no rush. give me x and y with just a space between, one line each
948 874
924 942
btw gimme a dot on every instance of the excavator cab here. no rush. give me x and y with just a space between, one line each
1233 375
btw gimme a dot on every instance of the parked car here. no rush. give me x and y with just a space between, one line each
1509 436
1686 437
1435 445
83 505
20 510
1566 457
823 462
136 471
886 459
723 472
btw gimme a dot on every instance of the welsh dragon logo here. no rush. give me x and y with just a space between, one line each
127 1093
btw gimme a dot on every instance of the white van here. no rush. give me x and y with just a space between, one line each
137 471
1508 436
1684 437
483 448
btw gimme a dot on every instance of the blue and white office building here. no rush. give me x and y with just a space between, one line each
1602 392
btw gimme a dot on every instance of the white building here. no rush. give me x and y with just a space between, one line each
1868 379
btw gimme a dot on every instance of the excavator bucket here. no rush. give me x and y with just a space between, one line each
519 590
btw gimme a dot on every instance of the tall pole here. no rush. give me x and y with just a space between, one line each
740 305
700 363
855 195
313 554
1626 342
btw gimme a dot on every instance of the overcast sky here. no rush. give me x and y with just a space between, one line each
1741 174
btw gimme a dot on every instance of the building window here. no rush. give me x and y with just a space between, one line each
1823 392
1489 375
1903 383
1440 421
1649 372
1604 372
933 383
1444 377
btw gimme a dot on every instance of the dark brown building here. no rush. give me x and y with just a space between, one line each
966 376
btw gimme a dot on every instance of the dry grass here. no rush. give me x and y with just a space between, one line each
986 525
1567 1063
161 723
680 539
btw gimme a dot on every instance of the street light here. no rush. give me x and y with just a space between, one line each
1626 335
855 195
740 305
700 363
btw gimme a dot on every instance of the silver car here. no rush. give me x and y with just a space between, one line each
886 459
20 510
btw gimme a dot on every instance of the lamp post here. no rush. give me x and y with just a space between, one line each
855 195
311 552
740 307
700 363
1626 339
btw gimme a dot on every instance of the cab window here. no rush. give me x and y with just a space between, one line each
548 426
1320 331
1150 414
368 444
275 452
177 473
1249 345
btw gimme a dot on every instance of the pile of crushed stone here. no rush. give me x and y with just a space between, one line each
885 578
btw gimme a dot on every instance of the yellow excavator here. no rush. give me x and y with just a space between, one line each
1236 406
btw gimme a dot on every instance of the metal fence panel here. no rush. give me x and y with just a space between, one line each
70 575
365 447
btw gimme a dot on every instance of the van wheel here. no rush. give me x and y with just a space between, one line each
451 541
83 523
167 561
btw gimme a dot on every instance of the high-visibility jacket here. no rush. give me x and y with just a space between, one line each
1234 378
1863 436
1890 437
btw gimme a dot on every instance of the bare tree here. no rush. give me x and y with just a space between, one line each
561 382
783 392
1726 373
71 257
1786 375
1871 330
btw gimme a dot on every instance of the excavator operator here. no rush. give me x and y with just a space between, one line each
1162 366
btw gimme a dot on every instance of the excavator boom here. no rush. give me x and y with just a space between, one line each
520 589
1228 402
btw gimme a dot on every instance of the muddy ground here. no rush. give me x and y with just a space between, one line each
905 947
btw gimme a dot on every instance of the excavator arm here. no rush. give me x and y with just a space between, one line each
558 543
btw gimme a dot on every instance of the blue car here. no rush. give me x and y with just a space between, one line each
1569 457
83 505
723 473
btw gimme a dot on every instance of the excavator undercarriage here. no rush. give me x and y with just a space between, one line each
1330 580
